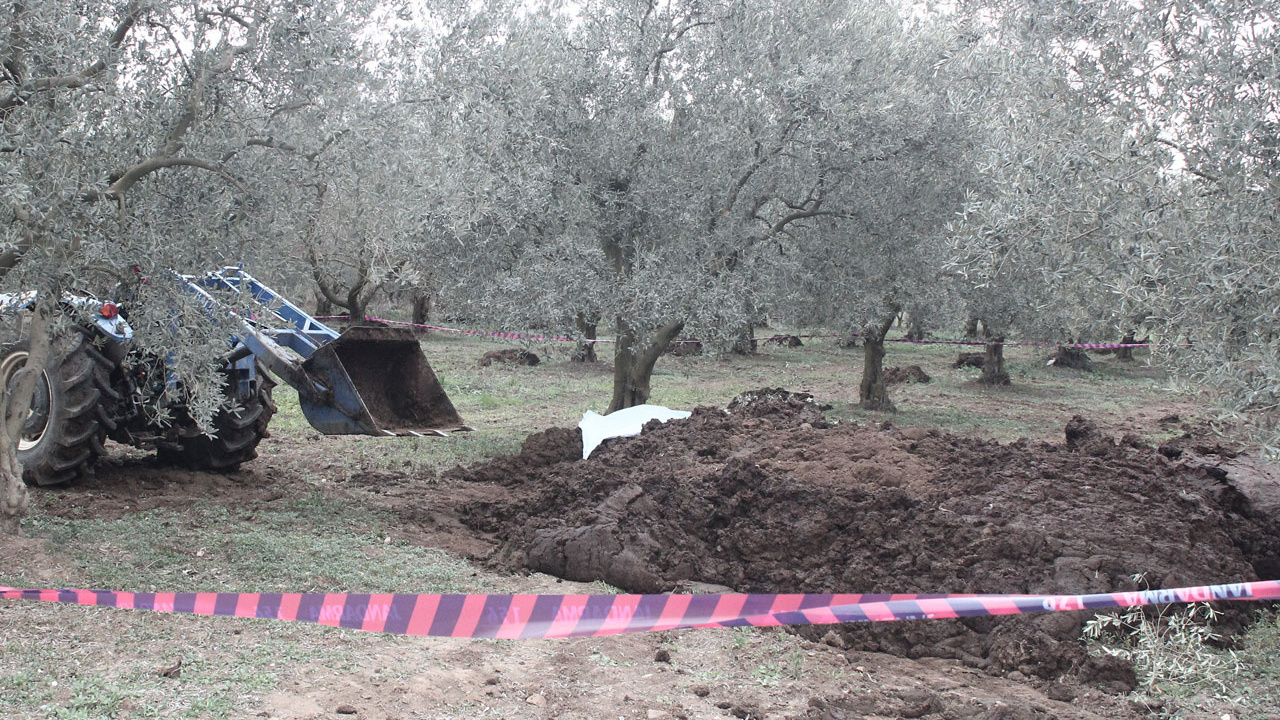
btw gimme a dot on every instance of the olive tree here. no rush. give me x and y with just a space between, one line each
1200 79
130 130
1179 153
884 255
668 148
1065 191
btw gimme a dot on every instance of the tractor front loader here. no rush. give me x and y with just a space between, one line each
96 385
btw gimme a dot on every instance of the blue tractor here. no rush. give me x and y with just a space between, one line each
96 385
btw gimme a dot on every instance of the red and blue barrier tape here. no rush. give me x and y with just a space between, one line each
501 335
560 616
1030 343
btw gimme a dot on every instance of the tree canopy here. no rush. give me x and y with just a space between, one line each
665 167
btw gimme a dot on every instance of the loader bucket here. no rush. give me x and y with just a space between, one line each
379 383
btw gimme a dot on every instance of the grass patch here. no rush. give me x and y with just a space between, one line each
313 543
1182 670
83 662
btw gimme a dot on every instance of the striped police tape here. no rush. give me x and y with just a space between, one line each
516 336
559 616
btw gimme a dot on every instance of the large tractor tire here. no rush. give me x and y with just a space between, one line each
64 432
237 433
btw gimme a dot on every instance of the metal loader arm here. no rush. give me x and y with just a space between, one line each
369 381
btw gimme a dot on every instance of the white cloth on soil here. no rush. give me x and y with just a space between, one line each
597 428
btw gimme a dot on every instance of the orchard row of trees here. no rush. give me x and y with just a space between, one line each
656 167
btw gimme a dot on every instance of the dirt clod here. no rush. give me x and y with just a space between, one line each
908 374
510 356
1080 432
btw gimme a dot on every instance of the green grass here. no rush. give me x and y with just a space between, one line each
308 544
1259 654
1183 673
79 662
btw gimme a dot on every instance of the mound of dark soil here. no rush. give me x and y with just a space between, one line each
778 402
767 497
975 360
510 356
908 374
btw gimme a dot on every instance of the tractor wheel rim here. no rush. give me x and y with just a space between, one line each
32 432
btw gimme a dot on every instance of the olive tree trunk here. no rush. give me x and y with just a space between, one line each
357 304
421 308
873 394
633 362
993 372
16 401
1125 354
745 342
585 350
915 328
324 307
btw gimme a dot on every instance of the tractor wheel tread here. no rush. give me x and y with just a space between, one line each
72 438
85 406
83 371
238 444
236 437
244 418
104 419
71 462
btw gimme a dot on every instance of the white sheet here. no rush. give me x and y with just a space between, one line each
597 428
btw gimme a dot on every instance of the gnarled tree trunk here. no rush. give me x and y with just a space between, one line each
993 372
359 294
873 394
915 328
1125 354
633 362
16 402
421 308
585 350
971 328
357 303
323 306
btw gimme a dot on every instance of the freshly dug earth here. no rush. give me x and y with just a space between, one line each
908 374
769 497
509 356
